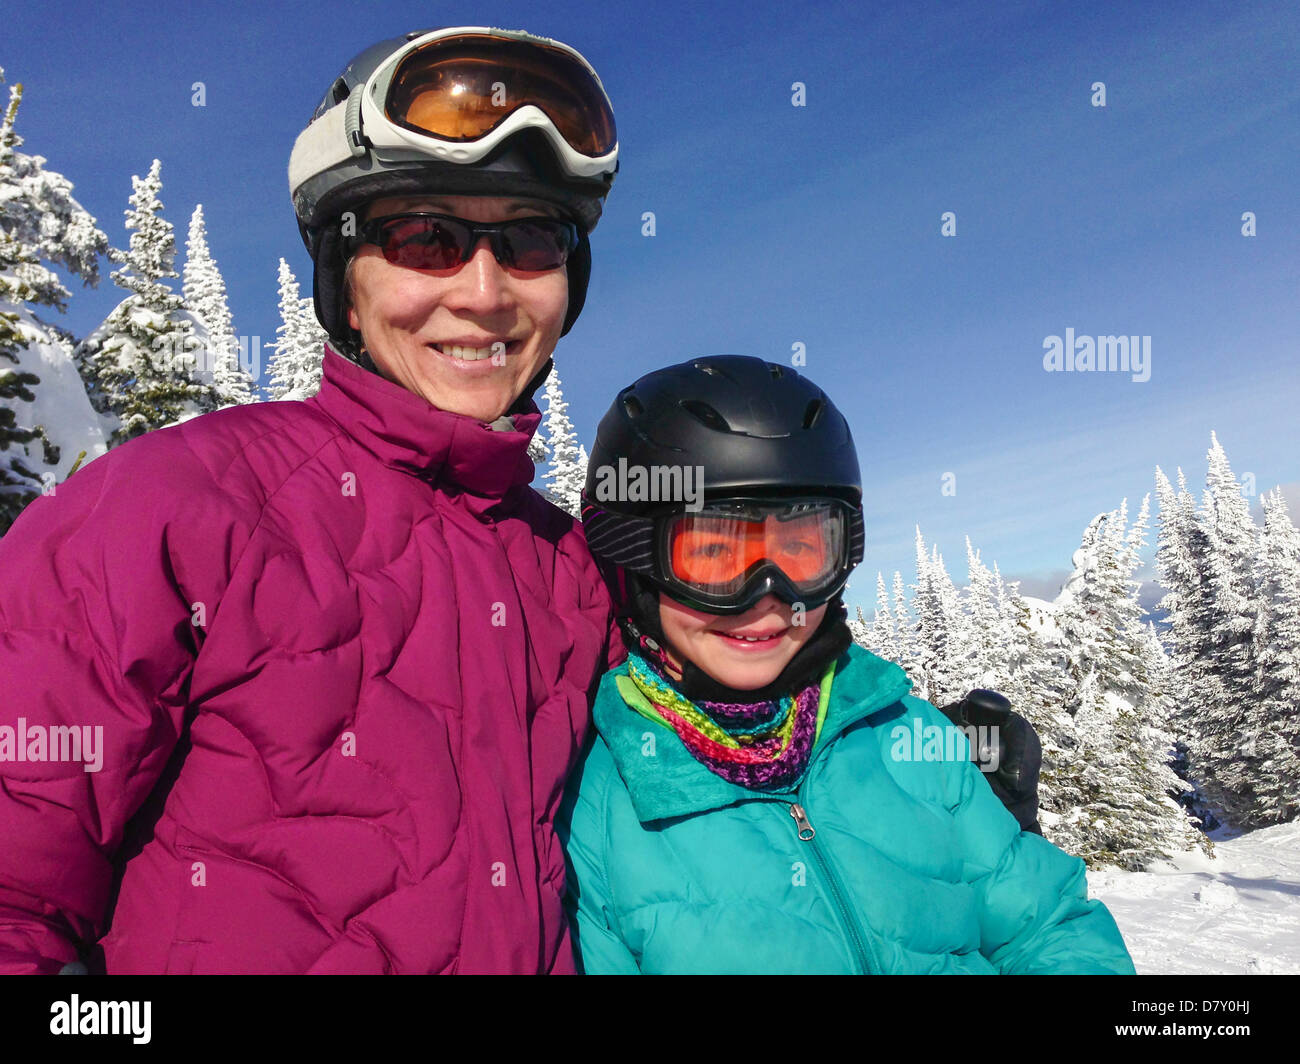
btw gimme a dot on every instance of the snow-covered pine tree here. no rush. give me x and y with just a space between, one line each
568 468
1272 728
140 365
940 629
1231 769
295 365
1122 772
1182 562
537 448
904 626
45 419
1036 687
20 471
1158 718
581 473
986 653
859 630
204 290
881 638
1081 619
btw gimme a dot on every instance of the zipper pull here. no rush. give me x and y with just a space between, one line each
801 818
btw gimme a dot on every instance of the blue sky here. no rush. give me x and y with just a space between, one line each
820 225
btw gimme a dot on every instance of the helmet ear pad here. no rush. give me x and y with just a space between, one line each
328 288
579 270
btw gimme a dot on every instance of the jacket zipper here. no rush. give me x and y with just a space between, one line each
852 929
861 943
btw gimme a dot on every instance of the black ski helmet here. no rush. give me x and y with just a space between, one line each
755 429
335 168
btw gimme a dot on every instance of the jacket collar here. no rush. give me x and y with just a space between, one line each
407 433
672 783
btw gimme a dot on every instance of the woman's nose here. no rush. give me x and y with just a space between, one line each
481 285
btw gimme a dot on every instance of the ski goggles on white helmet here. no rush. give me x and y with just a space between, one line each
730 554
458 94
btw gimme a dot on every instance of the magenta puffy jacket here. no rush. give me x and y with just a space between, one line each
314 674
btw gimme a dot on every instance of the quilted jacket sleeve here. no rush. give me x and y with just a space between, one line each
104 588
1034 911
598 947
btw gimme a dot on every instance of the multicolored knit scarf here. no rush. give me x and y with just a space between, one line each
757 745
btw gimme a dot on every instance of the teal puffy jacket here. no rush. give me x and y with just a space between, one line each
913 866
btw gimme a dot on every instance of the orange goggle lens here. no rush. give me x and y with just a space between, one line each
717 552
461 88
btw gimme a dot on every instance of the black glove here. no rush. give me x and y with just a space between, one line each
1012 769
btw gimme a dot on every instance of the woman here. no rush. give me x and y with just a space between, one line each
336 657
753 803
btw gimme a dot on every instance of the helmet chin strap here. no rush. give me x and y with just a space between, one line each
830 640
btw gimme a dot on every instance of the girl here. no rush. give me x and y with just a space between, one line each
750 804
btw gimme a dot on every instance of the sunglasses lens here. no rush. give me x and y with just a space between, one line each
424 243
538 244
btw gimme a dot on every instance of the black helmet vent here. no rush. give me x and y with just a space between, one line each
813 413
705 414
632 405
776 371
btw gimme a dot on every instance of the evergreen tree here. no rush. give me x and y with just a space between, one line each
20 474
140 364
1231 536
941 633
1273 722
1036 686
568 467
1122 773
537 448
40 223
204 290
904 626
882 636
1082 618
297 355
1197 692
859 630
986 653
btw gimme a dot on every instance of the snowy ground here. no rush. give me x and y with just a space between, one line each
1237 913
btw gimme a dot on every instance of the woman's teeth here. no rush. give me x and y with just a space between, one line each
472 354
751 638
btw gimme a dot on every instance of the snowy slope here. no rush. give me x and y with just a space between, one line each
1043 618
1235 913
61 404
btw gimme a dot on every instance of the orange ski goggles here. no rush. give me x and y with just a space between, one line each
733 553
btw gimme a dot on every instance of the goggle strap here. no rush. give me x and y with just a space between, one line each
322 145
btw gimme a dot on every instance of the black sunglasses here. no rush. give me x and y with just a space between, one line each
441 242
